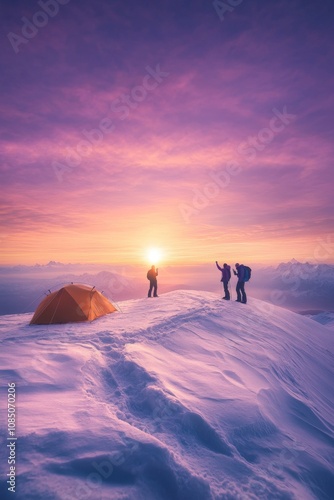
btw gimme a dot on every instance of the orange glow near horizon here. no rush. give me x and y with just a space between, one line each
215 159
195 247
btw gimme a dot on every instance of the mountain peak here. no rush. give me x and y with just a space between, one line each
188 386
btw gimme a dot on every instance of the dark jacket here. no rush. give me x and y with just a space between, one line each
241 273
226 272
152 275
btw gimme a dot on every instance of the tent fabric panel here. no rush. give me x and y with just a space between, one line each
79 292
72 303
83 299
100 306
69 311
61 309
42 308
83 296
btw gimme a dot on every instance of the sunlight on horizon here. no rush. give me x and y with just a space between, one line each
154 256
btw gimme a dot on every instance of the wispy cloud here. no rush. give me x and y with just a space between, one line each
224 80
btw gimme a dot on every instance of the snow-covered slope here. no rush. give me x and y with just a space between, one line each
324 318
182 397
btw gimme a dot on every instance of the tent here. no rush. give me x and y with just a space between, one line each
72 303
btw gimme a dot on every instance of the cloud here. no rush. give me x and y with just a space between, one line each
224 80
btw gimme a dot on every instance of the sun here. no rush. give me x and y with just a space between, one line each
154 255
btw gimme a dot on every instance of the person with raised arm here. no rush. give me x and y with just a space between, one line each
226 276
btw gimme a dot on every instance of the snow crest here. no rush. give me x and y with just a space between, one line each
182 397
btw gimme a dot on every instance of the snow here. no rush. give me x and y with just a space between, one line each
325 318
182 397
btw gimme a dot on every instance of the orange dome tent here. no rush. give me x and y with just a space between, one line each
72 303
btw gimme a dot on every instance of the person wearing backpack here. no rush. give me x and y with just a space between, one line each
226 276
243 273
152 277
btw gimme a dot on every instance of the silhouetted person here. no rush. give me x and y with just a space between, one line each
241 294
226 276
152 276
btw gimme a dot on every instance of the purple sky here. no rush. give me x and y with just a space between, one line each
213 138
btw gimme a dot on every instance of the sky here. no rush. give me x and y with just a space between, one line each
203 129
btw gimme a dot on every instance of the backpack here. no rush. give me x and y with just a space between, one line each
228 273
247 273
148 276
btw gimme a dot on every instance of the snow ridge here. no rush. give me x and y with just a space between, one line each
183 397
